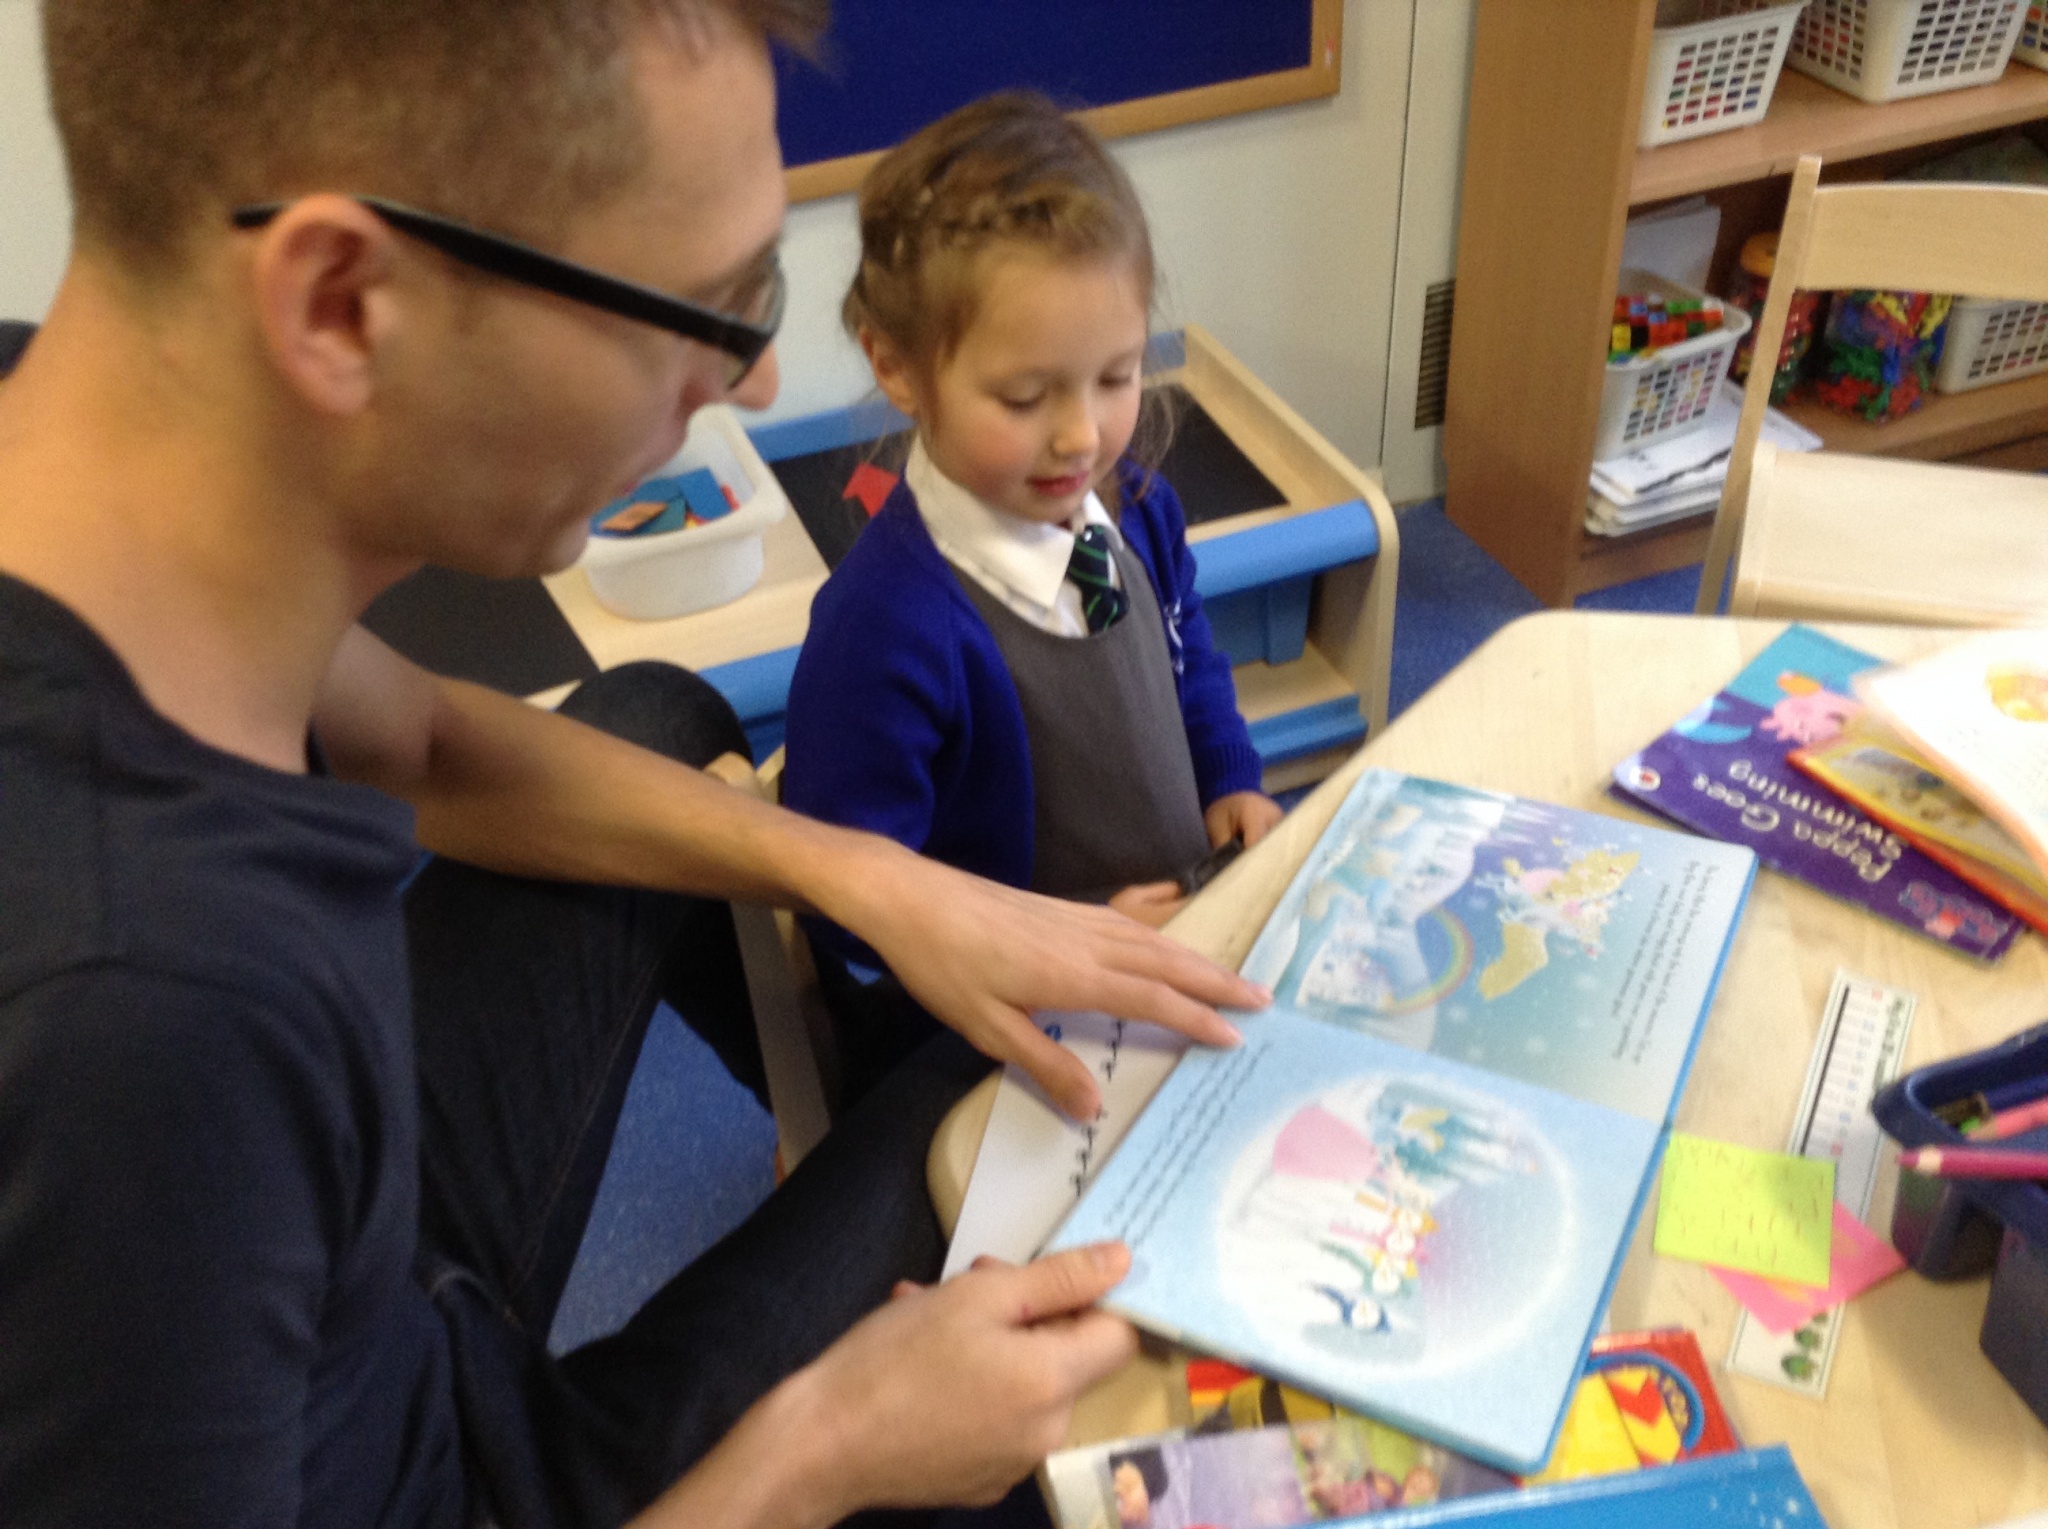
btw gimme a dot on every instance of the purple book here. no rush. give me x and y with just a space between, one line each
1722 771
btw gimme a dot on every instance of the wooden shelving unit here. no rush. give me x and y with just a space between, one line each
1947 425
1551 172
1807 117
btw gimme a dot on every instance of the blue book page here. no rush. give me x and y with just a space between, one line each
1566 949
1419 1240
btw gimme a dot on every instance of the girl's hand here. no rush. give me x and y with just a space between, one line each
1151 903
1251 814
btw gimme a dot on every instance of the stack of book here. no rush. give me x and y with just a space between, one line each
1256 1454
1680 477
1951 754
1726 770
1408 1193
1918 791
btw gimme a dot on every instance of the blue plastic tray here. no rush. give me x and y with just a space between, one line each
2009 1073
1956 1228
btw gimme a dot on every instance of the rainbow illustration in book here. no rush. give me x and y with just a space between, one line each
1565 948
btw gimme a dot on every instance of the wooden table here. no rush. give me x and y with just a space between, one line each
1917 1430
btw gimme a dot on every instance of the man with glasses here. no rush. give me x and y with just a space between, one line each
296 1144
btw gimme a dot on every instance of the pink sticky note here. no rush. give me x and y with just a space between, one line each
1859 1259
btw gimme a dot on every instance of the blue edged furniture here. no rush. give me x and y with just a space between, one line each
1301 596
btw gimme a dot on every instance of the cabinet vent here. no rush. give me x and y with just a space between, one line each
1433 368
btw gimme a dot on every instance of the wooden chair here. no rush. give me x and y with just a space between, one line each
795 1030
1829 535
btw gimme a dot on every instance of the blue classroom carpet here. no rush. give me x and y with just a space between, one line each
1453 596
695 1154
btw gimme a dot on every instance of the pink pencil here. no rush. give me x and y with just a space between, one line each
2021 1117
1976 1163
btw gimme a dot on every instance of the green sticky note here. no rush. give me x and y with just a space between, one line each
1762 1212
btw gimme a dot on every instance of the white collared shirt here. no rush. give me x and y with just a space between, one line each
1023 563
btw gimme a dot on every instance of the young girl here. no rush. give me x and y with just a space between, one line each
1011 671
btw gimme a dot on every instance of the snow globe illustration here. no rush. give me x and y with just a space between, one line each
1398 1224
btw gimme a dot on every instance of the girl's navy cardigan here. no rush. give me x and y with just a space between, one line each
902 715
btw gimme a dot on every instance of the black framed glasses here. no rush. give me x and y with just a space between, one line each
742 336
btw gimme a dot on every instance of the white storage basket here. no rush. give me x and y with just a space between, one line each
1885 50
1991 340
1667 392
2032 48
660 574
1713 66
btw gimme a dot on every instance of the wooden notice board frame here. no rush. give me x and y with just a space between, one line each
1320 77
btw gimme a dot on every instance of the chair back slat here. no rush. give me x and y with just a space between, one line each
1971 241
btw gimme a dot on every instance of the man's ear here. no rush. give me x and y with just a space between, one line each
894 374
322 281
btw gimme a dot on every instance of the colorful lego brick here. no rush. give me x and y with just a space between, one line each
702 498
634 516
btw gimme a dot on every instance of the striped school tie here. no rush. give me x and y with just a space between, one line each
1088 570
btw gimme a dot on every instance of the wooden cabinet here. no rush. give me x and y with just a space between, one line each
1552 172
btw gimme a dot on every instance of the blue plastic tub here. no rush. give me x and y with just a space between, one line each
1956 1228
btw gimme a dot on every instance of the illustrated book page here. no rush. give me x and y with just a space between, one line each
1277 1477
1566 949
1884 776
1979 712
1396 1231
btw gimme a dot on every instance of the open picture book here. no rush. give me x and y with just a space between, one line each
1410 1190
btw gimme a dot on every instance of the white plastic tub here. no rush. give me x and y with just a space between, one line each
1991 340
656 576
2032 48
1886 50
1713 66
1666 392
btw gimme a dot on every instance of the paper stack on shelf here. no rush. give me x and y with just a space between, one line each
1681 476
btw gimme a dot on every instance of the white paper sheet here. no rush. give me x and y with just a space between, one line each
1669 463
1034 1161
1675 242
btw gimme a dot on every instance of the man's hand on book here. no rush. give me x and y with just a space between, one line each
982 957
946 1395
953 1393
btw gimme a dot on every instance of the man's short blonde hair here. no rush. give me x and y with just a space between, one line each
509 113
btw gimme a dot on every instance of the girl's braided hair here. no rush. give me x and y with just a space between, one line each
1007 172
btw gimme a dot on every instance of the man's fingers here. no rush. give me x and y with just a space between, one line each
1061 1283
1131 997
1160 959
1091 1346
1064 1076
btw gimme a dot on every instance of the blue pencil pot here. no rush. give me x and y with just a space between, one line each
1955 1228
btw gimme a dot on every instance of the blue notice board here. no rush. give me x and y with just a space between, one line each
888 67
